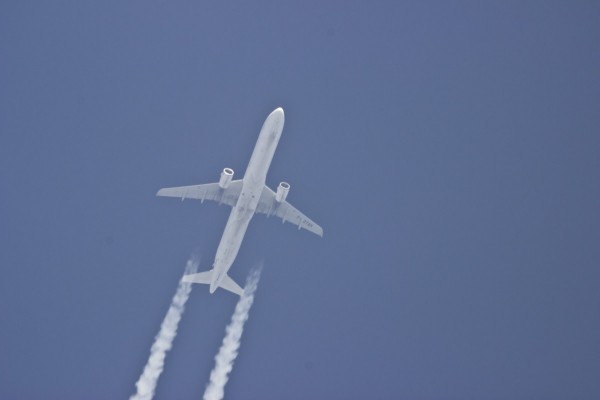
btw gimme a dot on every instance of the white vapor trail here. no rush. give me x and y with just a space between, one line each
231 342
164 339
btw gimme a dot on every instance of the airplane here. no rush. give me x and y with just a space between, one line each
247 196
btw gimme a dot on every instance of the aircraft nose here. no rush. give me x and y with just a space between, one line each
278 112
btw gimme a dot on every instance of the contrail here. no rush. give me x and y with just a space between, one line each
231 342
164 340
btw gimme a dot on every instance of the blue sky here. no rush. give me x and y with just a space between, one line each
448 149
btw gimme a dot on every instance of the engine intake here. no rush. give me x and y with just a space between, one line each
226 177
282 192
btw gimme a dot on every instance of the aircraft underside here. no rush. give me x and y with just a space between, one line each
247 197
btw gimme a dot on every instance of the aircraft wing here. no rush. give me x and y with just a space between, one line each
287 212
207 191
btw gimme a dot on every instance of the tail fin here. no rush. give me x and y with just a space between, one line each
206 277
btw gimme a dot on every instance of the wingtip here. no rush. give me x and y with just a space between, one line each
162 193
319 231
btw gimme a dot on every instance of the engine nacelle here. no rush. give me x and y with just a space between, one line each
282 192
226 177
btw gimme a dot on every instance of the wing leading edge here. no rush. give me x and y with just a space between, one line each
266 205
207 191
287 212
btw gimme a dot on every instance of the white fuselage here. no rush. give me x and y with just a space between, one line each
253 184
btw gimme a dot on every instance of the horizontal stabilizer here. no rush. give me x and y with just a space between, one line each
229 284
206 277
200 277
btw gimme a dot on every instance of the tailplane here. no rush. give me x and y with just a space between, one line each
206 278
200 277
229 284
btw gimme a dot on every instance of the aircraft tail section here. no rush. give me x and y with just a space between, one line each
206 278
229 284
200 277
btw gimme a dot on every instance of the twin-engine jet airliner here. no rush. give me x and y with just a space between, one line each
247 196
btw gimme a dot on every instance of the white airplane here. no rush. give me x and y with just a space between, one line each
247 196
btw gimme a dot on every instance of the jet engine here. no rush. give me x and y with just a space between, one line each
282 192
226 177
